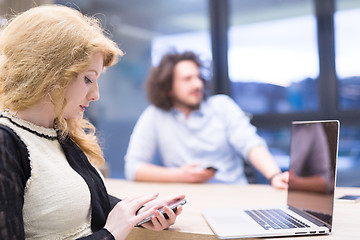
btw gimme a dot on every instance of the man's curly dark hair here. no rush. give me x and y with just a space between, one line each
160 80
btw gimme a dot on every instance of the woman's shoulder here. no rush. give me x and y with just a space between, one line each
8 135
14 151
9 139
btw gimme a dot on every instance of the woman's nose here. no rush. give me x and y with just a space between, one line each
94 94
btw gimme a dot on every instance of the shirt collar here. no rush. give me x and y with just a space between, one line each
203 109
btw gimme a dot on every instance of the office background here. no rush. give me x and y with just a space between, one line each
279 60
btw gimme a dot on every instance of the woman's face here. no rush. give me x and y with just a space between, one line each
83 89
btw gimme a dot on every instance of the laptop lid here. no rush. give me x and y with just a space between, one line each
313 157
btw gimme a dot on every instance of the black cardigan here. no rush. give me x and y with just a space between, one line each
15 171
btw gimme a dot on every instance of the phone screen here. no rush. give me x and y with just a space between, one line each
173 205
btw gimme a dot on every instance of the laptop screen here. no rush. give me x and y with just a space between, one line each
313 156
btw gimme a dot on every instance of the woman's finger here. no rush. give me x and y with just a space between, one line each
182 196
178 210
161 219
156 225
171 216
137 202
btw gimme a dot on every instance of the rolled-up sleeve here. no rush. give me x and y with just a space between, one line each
241 133
142 145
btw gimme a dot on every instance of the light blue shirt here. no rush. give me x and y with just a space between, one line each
219 135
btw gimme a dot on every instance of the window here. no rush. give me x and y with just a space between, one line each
3 21
347 39
274 73
273 59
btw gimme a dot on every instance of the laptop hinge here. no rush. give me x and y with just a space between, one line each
310 218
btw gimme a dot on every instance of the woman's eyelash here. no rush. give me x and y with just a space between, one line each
88 80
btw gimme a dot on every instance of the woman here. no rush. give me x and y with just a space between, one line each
50 62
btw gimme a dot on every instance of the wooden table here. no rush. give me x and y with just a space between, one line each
190 225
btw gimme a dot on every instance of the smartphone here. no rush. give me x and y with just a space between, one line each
212 168
173 205
350 198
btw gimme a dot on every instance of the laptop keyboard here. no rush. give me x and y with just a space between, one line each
275 219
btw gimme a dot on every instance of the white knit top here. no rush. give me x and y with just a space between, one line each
57 198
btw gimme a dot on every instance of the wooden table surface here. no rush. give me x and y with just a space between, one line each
190 225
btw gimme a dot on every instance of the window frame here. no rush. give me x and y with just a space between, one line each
327 80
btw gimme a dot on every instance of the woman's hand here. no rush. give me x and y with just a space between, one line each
122 217
158 221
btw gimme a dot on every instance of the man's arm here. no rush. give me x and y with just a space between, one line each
142 148
263 161
315 183
243 137
142 144
190 173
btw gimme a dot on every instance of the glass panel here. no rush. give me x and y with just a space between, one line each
349 157
144 30
347 48
278 141
273 58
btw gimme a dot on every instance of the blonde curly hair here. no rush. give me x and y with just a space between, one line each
41 51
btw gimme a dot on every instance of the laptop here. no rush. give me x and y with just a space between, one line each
310 196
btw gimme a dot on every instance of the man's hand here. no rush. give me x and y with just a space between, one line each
280 180
192 173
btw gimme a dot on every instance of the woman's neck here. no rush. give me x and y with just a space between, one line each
41 114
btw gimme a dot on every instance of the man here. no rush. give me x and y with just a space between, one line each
198 139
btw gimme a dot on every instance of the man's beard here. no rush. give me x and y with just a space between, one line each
194 106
